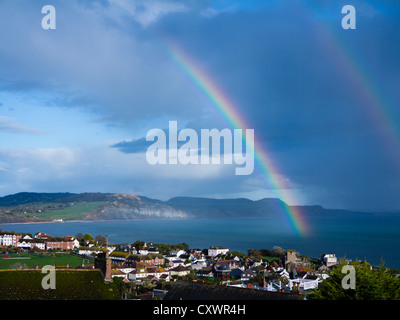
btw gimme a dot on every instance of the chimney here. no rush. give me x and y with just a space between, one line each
107 276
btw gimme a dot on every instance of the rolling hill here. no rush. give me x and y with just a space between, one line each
40 207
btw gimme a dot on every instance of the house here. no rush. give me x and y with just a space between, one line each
148 260
281 272
143 250
214 251
175 263
165 277
247 275
131 260
118 257
54 243
124 247
205 272
153 250
198 265
179 271
72 238
111 248
141 274
85 251
40 235
329 260
116 273
153 259
195 252
231 264
124 269
29 244
10 239
303 284
223 272
176 253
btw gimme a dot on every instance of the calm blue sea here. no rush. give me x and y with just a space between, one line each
370 238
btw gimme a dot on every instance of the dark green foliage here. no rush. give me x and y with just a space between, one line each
370 284
165 247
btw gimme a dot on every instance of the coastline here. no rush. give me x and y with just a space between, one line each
144 219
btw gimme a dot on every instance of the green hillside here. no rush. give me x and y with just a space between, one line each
66 212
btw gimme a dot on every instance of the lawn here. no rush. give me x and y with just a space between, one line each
35 259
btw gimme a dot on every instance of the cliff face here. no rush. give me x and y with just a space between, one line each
127 207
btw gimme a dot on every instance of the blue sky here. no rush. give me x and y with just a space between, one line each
77 102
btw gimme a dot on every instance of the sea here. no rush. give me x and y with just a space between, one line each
375 239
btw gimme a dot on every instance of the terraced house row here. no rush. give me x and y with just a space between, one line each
40 241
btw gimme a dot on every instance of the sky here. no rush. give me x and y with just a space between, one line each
77 102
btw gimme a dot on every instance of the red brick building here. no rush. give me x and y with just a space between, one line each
59 244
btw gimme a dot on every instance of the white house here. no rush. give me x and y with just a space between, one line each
214 251
153 250
330 259
143 251
198 265
30 244
177 253
87 251
303 284
143 273
7 239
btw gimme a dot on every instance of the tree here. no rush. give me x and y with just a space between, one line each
120 284
256 254
239 254
101 239
138 243
79 236
88 237
279 251
370 284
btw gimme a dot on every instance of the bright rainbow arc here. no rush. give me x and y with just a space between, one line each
227 110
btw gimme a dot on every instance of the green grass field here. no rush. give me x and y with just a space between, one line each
69 285
34 259
73 212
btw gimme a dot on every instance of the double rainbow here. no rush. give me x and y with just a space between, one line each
221 103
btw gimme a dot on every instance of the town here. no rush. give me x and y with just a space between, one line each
150 271
152 268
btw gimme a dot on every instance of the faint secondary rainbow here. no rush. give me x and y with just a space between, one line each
221 103
374 103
